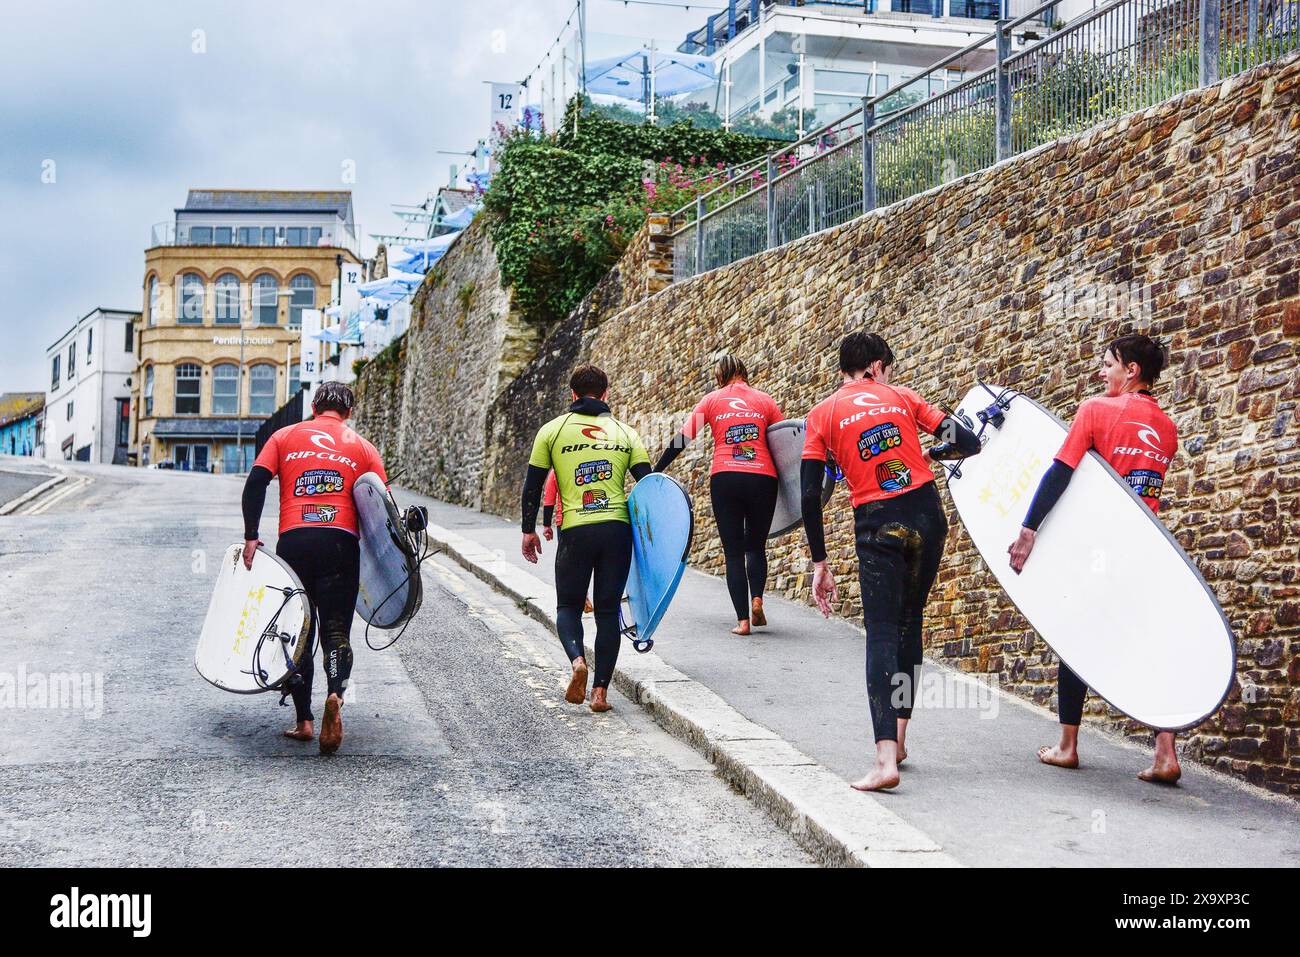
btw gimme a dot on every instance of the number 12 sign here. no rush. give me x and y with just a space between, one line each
505 105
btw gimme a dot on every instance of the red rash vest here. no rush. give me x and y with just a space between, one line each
1132 433
318 463
871 430
738 416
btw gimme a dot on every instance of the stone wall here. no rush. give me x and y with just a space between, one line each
1181 221
540 391
378 392
465 342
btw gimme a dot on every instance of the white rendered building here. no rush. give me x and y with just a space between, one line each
88 401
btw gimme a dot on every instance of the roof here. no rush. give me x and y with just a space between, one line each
204 428
454 200
338 202
104 309
20 405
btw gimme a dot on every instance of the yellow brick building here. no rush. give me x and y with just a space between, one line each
234 265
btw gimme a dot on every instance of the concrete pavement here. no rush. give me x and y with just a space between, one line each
972 783
457 750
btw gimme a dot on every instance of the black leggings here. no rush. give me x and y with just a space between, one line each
899 545
328 561
602 550
1070 692
743 505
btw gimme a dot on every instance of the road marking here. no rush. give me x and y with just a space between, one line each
13 506
42 506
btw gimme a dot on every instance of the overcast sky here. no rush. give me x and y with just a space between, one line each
112 98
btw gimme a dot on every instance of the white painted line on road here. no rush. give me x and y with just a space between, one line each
838 825
43 506
14 504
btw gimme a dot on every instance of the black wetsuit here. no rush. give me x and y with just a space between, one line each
328 562
899 543
743 506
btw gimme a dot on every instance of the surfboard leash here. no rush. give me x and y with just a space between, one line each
992 414
282 639
415 524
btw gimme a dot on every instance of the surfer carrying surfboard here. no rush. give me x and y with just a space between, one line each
318 462
591 453
1130 431
871 429
742 483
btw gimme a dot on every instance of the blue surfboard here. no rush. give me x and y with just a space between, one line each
662 525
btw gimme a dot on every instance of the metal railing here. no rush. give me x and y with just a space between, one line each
325 233
1118 59
739 15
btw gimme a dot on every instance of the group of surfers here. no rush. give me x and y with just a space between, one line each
869 428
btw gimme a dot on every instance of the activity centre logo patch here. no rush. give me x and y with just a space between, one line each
739 438
893 475
589 473
880 438
1145 482
318 482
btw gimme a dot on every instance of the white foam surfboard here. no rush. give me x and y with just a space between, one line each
244 604
1107 586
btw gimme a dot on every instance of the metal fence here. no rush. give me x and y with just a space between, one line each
1118 59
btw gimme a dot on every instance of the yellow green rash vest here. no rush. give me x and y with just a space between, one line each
591 454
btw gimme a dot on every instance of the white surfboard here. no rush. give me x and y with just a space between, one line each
1107 586
246 605
390 589
785 444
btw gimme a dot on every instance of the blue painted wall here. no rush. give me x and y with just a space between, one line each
18 437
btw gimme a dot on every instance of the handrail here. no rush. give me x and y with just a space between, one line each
731 178
829 194
981 77
1077 23
897 87
809 138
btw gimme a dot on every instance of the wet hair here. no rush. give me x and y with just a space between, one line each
333 397
588 381
1150 356
729 368
860 349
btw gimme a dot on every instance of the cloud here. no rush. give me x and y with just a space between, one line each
282 94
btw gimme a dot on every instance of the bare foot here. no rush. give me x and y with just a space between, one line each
902 754
302 731
742 627
1058 758
599 703
1162 772
756 616
576 693
331 729
880 779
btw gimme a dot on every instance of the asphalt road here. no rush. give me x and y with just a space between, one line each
458 749
14 483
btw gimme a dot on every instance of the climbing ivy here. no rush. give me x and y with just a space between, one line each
564 207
